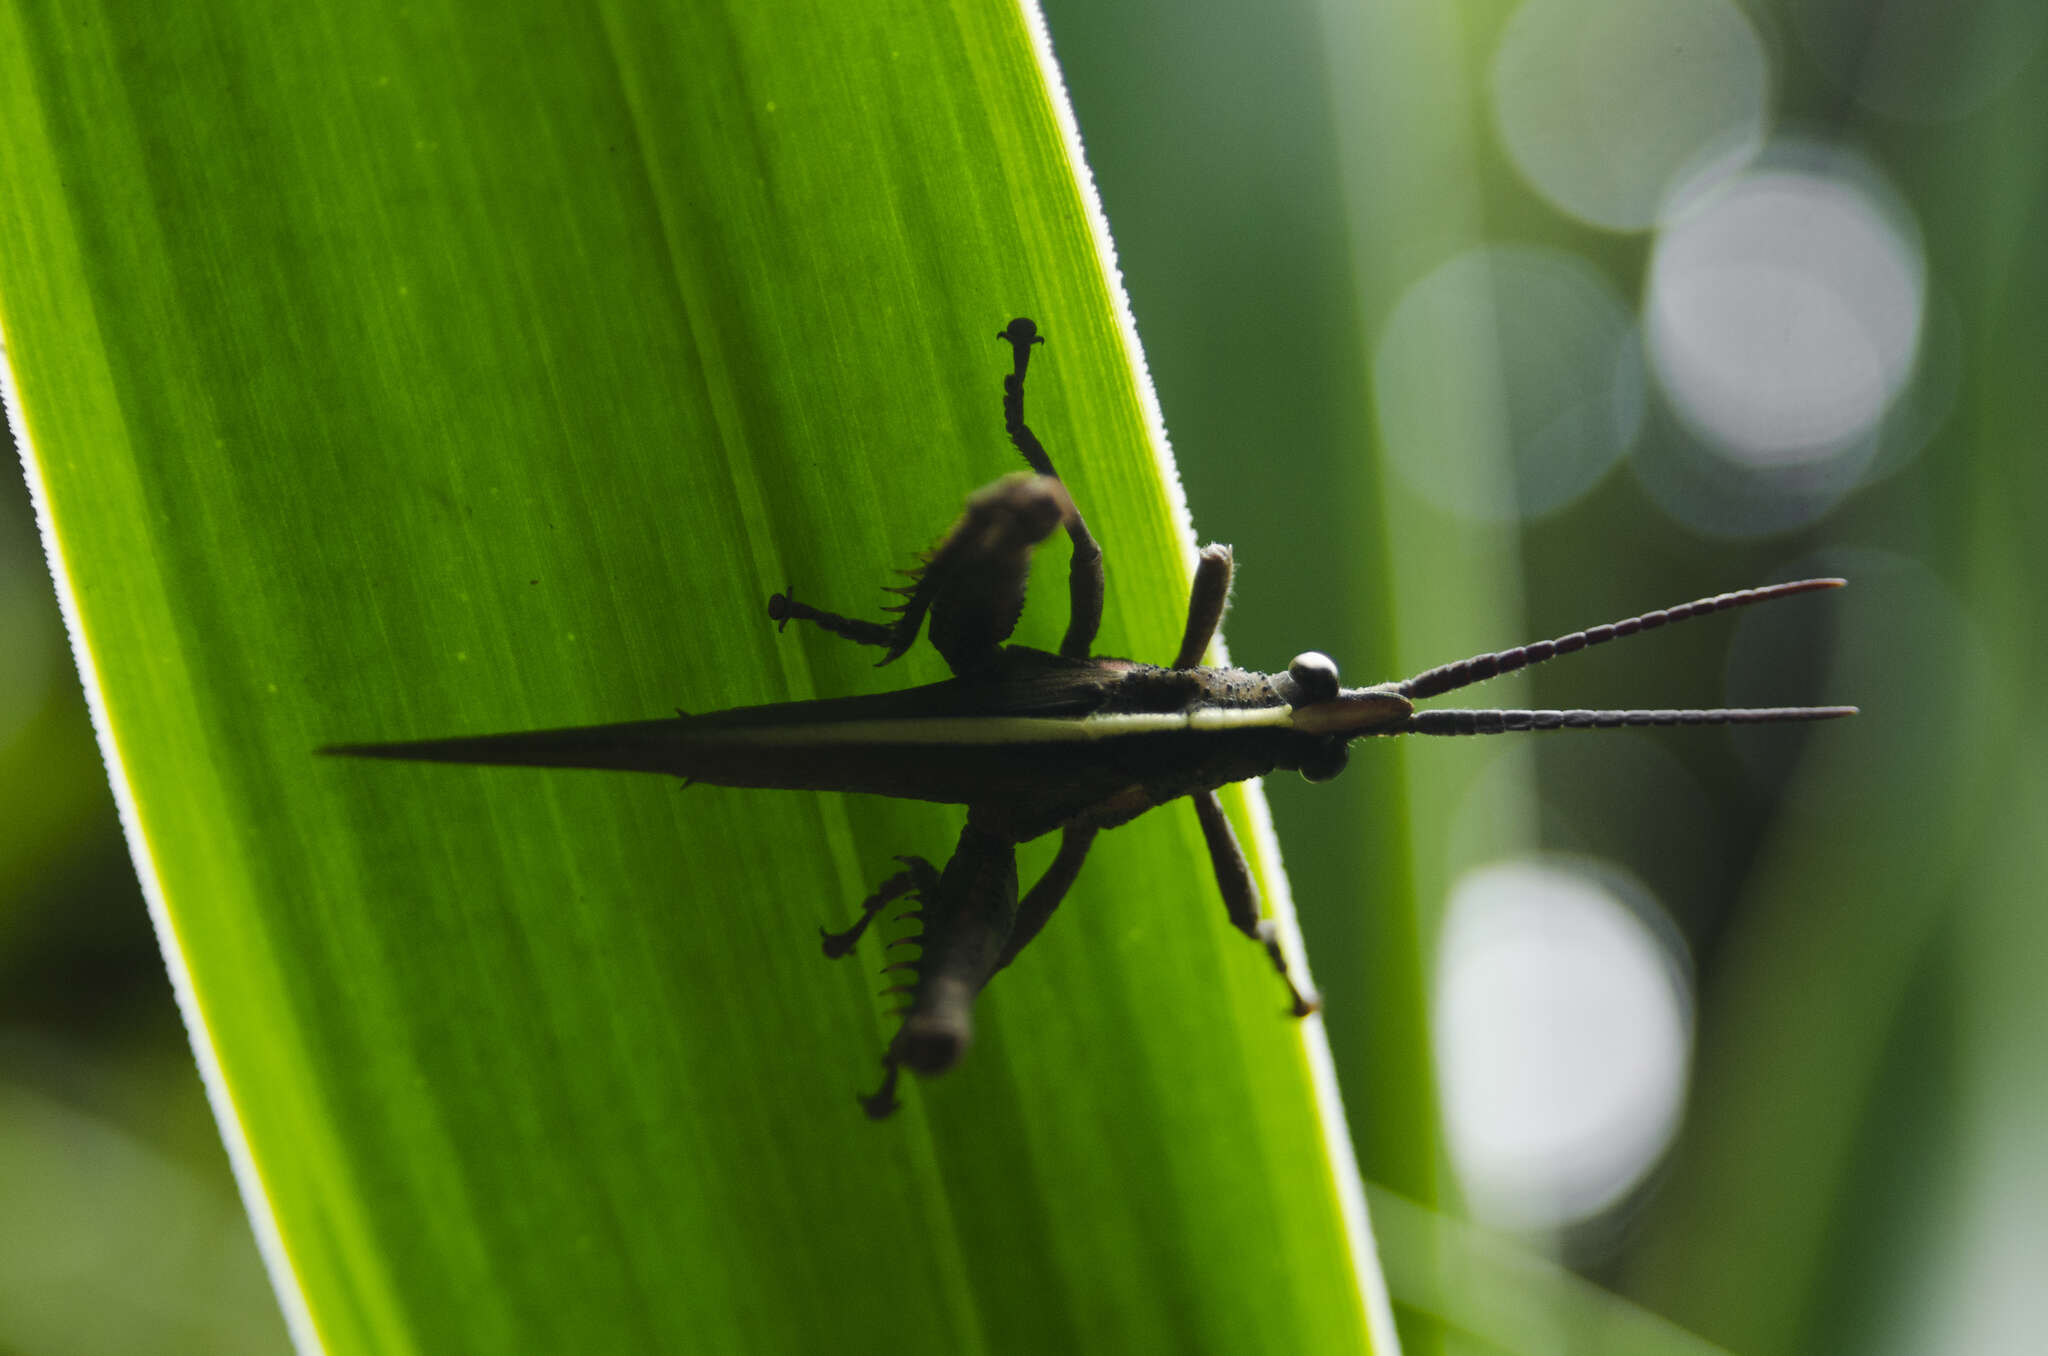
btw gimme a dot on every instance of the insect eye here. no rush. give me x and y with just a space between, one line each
1326 762
1315 674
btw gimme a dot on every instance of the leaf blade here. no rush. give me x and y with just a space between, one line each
403 475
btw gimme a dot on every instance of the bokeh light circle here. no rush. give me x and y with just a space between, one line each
1563 1031
1696 483
1508 381
1783 317
1605 108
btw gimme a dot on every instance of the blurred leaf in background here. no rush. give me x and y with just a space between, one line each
1504 319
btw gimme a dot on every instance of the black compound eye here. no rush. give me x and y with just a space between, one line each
1326 762
1315 674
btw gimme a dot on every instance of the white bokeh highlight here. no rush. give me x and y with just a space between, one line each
1605 109
1783 316
1508 381
1563 1032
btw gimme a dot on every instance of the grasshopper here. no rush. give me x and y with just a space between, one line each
1034 742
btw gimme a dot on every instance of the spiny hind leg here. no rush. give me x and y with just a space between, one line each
1084 574
920 880
967 926
1241 894
973 585
918 877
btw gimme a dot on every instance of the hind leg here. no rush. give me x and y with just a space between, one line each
966 931
917 877
972 586
1084 574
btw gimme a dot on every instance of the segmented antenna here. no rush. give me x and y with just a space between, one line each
1477 669
1502 722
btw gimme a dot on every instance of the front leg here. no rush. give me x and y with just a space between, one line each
1241 893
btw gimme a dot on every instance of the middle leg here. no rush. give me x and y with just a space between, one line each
1037 906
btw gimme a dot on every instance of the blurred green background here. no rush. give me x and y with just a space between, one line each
1501 320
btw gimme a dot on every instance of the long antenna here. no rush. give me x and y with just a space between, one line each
1464 673
1502 722
1450 677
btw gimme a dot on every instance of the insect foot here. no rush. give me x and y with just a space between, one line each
881 1104
1020 334
931 1040
1304 1004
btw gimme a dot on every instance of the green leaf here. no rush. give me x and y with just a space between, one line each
394 371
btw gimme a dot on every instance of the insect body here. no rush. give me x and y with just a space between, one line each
1034 742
